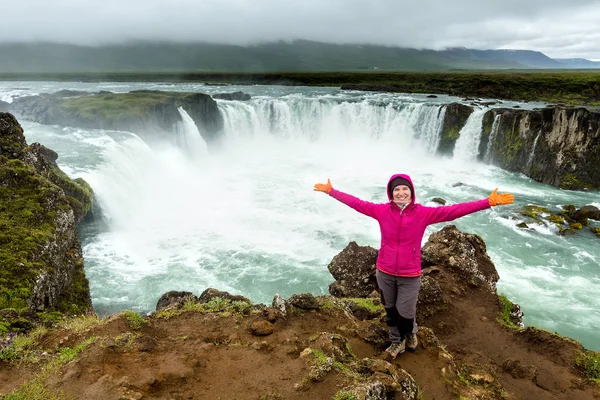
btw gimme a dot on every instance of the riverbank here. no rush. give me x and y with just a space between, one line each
557 86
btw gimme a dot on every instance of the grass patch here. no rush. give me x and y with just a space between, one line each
20 347
368 304
589 364
35 389
345 395
84 323
134 320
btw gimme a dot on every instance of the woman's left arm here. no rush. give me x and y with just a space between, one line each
449 213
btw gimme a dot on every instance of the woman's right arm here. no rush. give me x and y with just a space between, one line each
363 207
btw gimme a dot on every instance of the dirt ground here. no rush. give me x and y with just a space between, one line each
199 355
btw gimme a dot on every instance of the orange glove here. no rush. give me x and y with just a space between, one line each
503 198
323 187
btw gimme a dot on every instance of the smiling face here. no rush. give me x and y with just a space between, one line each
402 194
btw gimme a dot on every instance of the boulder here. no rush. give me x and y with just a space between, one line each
354 271
212 293
174 299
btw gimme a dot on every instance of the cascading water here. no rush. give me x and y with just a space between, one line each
467 145
188 137
487 157
244 218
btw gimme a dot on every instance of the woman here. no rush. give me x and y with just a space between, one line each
402 224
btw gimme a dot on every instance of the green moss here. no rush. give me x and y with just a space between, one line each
27 224
576 226
504 318
570 181
533 211
556 219
367 303
596 231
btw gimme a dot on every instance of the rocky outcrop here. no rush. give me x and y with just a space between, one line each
147 113
559 146
40 207
452 263
455 118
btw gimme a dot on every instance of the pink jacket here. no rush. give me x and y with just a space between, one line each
402 230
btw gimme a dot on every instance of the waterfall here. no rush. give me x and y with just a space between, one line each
530 159
407 124
467 145
188 137
487 157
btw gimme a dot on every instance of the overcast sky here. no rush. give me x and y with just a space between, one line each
558 28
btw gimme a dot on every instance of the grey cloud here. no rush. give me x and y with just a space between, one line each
559 28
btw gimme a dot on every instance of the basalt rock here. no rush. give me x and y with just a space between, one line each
40 208
455 118
559 145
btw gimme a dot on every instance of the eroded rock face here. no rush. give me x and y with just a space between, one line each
41 257
455 118
559 146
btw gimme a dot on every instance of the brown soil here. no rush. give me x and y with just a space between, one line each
198 355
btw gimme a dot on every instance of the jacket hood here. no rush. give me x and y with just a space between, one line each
412 187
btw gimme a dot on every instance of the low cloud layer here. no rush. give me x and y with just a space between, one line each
559 29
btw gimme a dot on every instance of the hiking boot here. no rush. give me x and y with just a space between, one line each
412 342
395 349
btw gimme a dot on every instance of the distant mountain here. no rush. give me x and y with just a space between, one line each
300 55
522 58
580 63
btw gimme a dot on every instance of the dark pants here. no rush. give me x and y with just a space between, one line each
399 295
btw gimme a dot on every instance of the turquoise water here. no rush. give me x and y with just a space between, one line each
245 218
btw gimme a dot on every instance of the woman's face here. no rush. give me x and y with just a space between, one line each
401 194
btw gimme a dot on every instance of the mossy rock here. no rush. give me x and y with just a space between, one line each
556 219
596 231
576 226
533 211
571 182
40 254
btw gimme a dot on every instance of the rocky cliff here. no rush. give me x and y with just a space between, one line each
40 252
556 145
150 114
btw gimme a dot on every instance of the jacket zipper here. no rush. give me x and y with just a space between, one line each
398 247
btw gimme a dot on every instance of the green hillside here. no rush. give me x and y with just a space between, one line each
300 56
